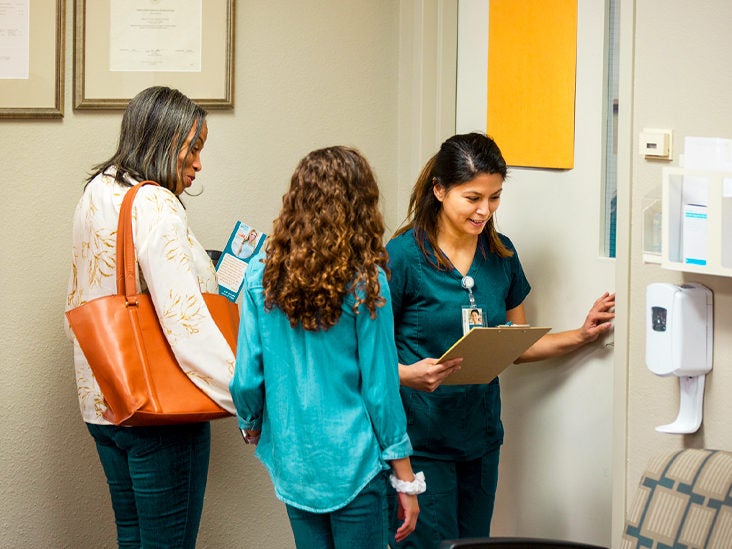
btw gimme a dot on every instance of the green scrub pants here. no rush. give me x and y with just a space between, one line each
458 502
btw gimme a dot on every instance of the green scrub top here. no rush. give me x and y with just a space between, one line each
455 422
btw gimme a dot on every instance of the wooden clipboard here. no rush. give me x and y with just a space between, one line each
486 352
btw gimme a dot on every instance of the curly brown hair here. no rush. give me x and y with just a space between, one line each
327 241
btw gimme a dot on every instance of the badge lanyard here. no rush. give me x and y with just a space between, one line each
472 315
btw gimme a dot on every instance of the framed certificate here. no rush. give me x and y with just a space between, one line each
32 58
124 46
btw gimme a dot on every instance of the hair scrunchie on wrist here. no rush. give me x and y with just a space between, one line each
417 486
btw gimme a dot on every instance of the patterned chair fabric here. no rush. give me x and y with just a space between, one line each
684 501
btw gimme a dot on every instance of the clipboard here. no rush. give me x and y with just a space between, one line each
487 352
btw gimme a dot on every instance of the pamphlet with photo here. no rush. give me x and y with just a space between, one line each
244 243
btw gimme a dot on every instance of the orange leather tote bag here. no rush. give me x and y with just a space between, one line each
128 353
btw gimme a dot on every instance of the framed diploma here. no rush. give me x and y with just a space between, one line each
124 46
32 58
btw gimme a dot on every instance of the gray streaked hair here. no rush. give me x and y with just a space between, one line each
154 128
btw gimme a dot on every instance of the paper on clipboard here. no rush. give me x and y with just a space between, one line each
487 352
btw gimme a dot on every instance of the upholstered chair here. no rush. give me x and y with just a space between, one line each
683 501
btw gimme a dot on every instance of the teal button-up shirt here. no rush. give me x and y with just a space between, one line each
327 402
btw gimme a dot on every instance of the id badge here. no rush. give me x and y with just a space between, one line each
472 318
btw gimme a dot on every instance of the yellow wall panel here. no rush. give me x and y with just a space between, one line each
532 51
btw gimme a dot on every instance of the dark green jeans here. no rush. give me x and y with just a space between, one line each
362 524
157 479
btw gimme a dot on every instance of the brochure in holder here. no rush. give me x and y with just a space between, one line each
244 243
486 352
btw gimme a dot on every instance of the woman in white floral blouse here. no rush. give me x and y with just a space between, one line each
156 475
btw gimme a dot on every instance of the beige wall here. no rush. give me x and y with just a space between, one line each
678 77
308 74
382 89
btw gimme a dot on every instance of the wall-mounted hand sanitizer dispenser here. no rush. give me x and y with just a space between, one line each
679 329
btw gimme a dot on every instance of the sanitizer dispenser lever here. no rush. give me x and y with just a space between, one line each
679 329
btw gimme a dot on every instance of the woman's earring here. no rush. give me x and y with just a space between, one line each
198 193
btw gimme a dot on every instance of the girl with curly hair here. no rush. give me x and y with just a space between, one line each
316 383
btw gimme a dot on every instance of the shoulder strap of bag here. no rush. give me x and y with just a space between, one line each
126 284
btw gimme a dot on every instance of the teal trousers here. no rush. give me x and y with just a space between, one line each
362 524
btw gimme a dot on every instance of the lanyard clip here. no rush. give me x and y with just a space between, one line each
468 283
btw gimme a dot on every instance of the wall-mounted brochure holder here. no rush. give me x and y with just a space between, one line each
652 226
697 221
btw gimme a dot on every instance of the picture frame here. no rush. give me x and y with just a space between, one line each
41 93
108 71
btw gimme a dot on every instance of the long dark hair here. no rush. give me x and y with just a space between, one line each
154 128
460 159
327 241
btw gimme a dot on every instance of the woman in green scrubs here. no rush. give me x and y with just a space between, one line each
446 262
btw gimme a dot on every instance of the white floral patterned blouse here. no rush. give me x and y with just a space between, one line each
174 268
